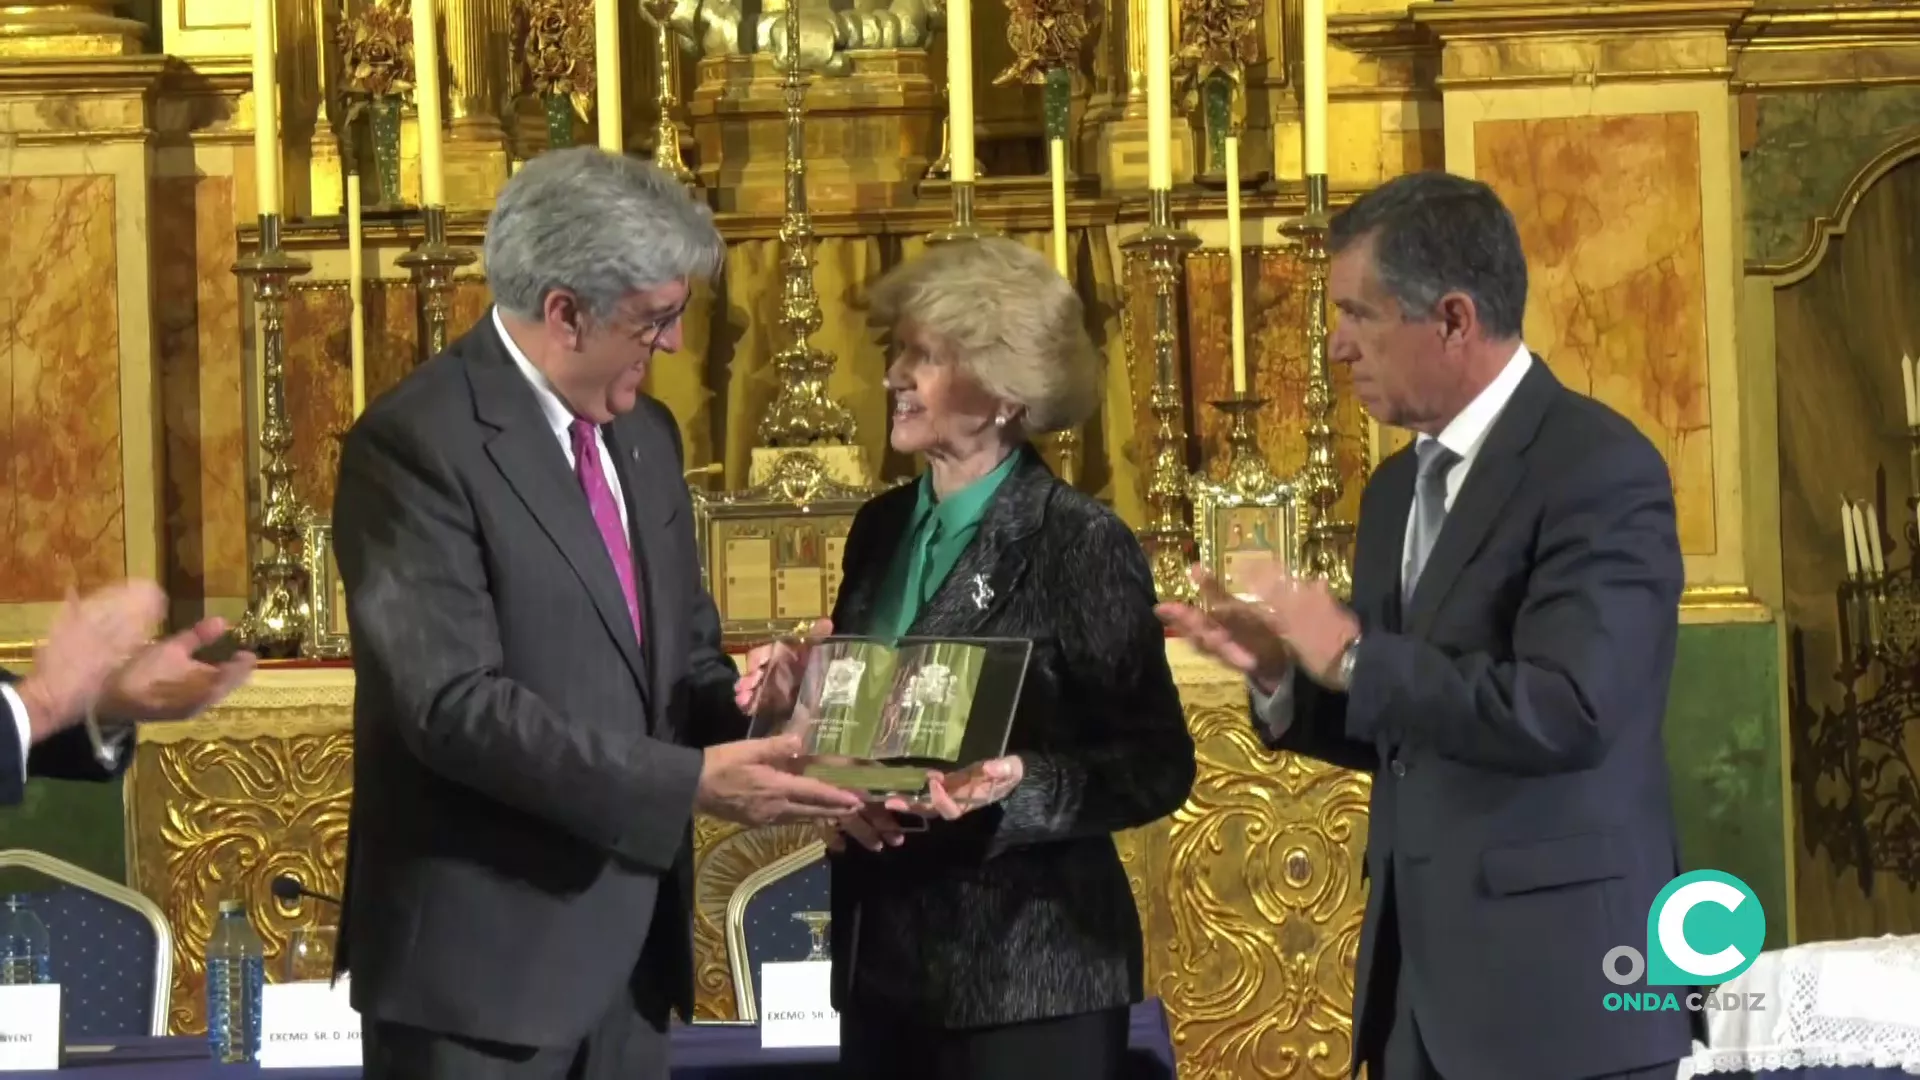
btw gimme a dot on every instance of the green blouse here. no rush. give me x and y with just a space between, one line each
936 536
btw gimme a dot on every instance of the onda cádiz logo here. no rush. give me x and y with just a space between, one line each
1703 929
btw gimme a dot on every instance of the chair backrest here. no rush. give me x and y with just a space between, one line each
112 951
761 927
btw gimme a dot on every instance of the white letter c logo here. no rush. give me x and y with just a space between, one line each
1673 935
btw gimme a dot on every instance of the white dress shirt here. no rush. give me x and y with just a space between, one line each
561 418
106 745
1464 435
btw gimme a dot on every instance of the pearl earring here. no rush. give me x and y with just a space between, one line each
999 421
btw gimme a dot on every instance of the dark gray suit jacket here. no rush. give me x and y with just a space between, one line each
1021 911
66 756
524 770
1511 717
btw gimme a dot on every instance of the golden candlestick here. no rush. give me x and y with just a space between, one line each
666 130
1168 536
1328 539
801 413
432 266
276 620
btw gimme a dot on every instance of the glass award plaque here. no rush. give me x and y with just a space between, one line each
877 716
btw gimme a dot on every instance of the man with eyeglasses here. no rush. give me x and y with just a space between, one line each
542 701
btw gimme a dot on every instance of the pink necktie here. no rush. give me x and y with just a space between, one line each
606 514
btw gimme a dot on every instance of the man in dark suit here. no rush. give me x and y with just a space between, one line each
1502 671
95 675
541 697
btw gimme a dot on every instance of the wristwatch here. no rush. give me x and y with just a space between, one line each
1343 667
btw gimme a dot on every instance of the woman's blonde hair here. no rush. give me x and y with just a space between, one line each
1012 322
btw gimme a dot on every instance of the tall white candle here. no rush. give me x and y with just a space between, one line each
1846 527
959 90
1313 85
1913 403
1236 274
1860 540
426 99
1873 540
357 329
1057 153
1159 95
606 70
266 108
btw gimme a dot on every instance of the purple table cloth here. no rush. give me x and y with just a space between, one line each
700 1052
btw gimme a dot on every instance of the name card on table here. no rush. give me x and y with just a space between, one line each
796 1005
29 1028
308 1025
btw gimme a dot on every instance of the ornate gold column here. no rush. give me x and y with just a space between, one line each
1114 131
476 150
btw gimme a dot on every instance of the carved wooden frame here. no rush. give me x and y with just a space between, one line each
1213 502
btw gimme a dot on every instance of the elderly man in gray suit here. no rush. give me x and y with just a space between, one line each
542 701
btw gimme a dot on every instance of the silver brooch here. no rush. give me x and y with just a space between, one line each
982 592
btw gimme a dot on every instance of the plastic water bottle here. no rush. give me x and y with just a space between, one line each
24 946
236 972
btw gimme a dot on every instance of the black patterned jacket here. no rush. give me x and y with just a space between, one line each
1022 911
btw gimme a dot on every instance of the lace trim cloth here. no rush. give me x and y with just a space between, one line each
1845 1004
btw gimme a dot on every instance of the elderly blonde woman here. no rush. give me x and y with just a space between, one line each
1002 941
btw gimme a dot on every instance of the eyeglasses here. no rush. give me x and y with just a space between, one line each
650 332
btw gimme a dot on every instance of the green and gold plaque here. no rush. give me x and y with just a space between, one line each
877 716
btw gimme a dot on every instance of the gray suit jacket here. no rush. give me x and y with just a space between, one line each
524 768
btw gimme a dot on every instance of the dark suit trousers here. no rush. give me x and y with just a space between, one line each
630 1042
878 1045
1402 1055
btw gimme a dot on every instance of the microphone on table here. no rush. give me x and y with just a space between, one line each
288 888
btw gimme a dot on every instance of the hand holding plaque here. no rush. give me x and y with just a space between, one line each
879 718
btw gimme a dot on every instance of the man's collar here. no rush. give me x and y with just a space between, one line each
558 415
1469 428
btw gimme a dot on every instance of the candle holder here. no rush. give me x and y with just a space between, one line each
276 621
432 266
801 413
666 130
1168 536
963 226
1328 540
1853 766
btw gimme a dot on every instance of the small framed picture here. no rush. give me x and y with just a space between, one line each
327 637
1232 530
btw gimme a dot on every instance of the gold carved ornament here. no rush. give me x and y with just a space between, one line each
376 50
1218 39
1045 35
552 43
215 818
1253 951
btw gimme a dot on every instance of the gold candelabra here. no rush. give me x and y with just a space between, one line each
801 413
432 266
1327 538
666 130
276 622
1169 535
963 226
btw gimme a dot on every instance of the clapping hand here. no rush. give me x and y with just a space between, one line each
1289 619
771 682
166 681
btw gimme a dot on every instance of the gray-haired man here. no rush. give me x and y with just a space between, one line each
538 666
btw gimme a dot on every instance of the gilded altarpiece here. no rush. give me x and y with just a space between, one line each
1250 895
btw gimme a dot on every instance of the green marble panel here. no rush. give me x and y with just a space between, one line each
1807 146
1724 747
79 822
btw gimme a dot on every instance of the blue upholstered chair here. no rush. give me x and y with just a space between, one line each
761 928
112 952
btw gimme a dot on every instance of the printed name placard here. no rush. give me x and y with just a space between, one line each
29 1028
308 1025
796 1005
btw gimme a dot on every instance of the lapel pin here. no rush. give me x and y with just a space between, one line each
982 592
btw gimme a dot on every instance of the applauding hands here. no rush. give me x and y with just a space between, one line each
1282 620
